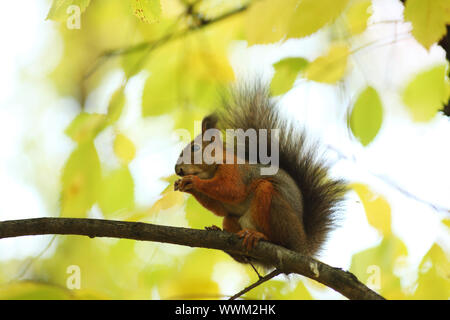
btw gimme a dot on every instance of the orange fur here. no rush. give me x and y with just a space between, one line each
231 224
226 185
260 206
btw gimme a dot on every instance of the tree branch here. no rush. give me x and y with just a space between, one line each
283 259
151 45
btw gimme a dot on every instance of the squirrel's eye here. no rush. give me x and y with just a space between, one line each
195 148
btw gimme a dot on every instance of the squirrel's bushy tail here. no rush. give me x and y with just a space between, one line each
250 106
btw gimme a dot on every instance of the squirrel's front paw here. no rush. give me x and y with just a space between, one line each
184 184
251 237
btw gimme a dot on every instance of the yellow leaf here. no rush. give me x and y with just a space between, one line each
311 15
173 8
270 290
426 94
331 67
124 148
267 21
80 181
171 180
116 192
168 200
429 19
187 288
375 267
29 290
160 91
205 61
194 278
60 10
102 28
446 222
299 293
434 275
148 11
88 294
357 16
271 21
378 211
212 9
206 52
192 76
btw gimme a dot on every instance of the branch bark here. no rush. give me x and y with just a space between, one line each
283 259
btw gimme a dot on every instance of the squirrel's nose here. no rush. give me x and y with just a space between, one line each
179 170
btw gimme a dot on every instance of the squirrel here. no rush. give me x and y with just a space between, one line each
296 207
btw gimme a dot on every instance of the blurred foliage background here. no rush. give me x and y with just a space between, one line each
111 82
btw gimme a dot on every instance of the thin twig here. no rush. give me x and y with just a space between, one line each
254 269
261 280
30 262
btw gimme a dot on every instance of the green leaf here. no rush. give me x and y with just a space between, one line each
59 9
124 148
132 62
86 126
148 11
357 16
159 94
429 19
117 192
80 181
311 15
367 116
330 67
426 93
162 87
286 71
168 86
116 104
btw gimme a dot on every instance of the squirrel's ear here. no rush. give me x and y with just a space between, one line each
209 122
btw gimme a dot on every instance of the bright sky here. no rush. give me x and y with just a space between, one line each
413 156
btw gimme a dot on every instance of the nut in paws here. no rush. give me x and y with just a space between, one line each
184 184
